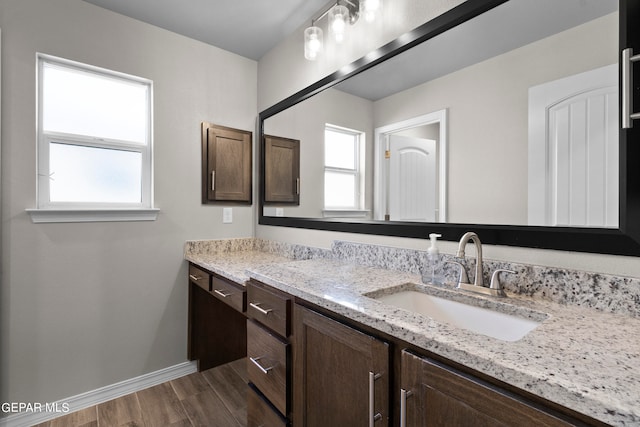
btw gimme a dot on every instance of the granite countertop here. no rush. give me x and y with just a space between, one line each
581 358
233 265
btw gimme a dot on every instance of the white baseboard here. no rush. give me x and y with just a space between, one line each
104 394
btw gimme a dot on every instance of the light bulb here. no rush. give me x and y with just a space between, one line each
338 16
312 42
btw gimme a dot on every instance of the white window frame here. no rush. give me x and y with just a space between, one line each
48 211
357 209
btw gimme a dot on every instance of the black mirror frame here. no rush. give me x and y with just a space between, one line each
624 240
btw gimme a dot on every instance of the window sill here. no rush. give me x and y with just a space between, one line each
345 213
91 215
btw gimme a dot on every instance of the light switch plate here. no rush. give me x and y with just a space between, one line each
227 215
279 212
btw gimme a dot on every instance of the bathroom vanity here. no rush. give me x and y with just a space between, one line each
327 335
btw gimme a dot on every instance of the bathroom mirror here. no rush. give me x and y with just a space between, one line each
476 84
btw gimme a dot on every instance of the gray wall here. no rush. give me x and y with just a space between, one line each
89 305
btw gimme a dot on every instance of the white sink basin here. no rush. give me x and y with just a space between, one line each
506 327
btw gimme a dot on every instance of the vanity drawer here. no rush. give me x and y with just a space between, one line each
260 412
199 277
267 364
231 294
269 307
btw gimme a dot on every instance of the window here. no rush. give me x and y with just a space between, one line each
94 140
343 170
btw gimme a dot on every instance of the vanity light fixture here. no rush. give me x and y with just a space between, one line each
340 13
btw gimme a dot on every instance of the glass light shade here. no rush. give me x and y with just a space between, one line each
338 18
370 8
312 43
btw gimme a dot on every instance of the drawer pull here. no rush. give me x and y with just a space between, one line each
222 294
256 305
195 278
255 362
628 58
373 415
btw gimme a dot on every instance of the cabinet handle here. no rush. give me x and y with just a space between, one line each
298 186
628 58
195 278
373 416
213 180
256 305
255 362
222 294
403 406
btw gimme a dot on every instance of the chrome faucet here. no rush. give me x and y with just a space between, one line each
478 281
496 287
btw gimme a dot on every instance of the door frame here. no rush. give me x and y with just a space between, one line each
380 171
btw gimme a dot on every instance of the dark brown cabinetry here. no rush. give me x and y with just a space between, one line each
340 375
226 164
307 369
260 412
217 332
433 394
282 170
268 355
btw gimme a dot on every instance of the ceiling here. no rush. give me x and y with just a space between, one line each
249 28
483 37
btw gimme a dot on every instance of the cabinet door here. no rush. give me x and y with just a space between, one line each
340 375
442 396
281 170
226 168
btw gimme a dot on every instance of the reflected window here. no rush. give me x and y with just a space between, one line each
343 168
94 137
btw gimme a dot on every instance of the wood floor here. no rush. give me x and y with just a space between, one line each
212 398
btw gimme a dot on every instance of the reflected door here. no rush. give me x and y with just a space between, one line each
412 176
573 169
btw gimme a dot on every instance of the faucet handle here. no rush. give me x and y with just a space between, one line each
463 278
495 278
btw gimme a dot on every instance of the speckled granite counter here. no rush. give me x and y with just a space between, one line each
582 358
230 258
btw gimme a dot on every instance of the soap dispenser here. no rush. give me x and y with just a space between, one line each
433 255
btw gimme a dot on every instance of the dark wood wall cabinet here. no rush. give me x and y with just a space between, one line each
226 165
281 170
